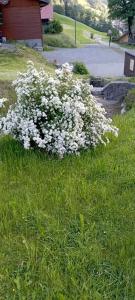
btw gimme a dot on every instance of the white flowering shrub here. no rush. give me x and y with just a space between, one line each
2 106
57 113
2 102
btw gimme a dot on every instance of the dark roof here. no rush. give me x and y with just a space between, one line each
42 2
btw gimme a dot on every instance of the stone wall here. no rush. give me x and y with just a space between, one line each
115 90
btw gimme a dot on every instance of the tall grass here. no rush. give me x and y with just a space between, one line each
67 226
58 40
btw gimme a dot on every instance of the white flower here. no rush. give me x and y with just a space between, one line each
58 113
2 101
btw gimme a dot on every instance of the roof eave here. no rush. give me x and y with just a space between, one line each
44 2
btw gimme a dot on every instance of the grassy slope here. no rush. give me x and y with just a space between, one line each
11 63
83 31
67 227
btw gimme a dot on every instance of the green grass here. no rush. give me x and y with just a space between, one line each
58 40
11 63
67 226
83 31
132 47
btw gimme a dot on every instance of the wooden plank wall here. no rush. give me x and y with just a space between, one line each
22 20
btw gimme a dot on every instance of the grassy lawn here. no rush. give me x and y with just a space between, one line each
11 63
83 32
67 226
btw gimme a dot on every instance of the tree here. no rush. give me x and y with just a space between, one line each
124 10
65 2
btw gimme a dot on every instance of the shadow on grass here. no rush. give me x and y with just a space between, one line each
11 148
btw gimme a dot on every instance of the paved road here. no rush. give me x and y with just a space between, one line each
100 59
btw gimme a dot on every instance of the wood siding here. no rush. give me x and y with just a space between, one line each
22 20
129 66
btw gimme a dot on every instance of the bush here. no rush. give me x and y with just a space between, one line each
130 99
57 114
53 27
92 35
80 68
115 34
60 41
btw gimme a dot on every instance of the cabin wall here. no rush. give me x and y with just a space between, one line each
123 39
22 20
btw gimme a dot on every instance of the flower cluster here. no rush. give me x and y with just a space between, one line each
2 105
2 101
57 113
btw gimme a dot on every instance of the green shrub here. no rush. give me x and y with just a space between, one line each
59 9
59 40
131 79
130 99
53 27
80 68
115 34
92 35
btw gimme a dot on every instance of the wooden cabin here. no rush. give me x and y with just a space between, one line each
123 39
20 20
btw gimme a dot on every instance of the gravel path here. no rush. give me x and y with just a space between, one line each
100 59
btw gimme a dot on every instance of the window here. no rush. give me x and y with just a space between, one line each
132 63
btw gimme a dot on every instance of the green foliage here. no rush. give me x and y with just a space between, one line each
115 34
80 68
59 40
124 10
92 35
83 31
131 79
59 9
53 27
130 99
67 227
86 16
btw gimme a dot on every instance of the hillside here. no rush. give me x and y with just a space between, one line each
98 6
15 60
67 38
84 3
83 31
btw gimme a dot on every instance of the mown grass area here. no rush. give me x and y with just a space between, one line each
68 35
67 226
13 62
